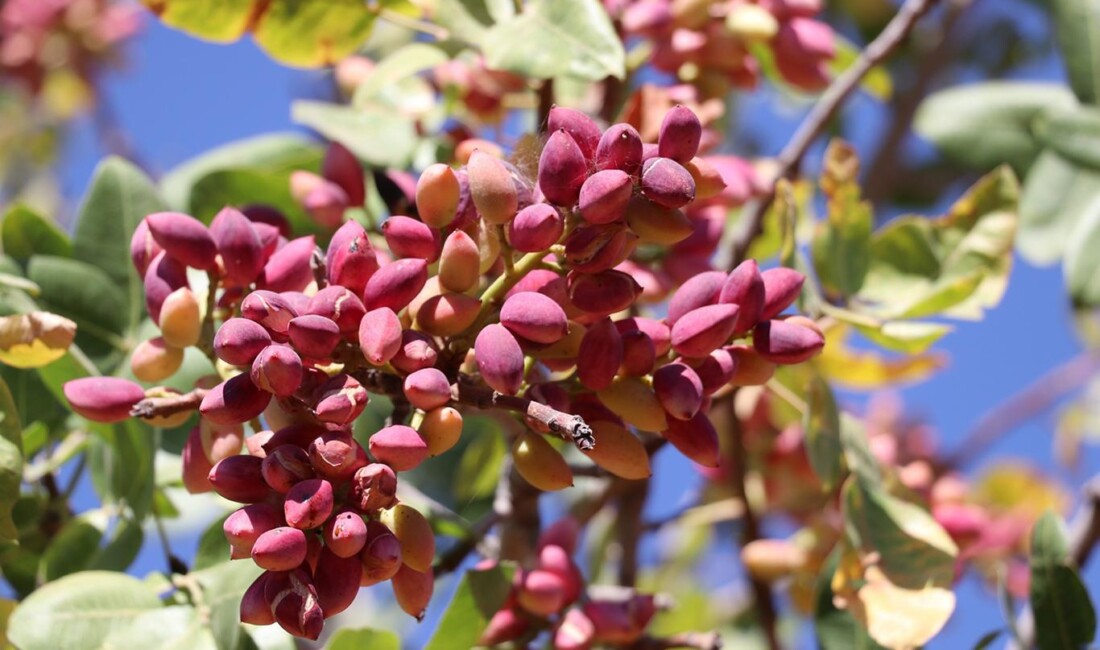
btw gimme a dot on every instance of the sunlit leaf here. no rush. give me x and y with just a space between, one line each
381 138
223 585
557 37
900 618
956 265
356 639
34 339
79 611
304 33
1073 133
469 20
179 627
401 64
1018 488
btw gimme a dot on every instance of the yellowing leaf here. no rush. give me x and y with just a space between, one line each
35 339
867 370
1019 488
899 618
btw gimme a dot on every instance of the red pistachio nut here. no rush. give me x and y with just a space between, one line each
103 399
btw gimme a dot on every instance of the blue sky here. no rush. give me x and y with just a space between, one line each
178 97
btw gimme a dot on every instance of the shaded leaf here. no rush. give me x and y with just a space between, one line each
122 548
1063 611
480 594
120 196
987 639
986 124
273 152
822 426
834 628
223 585
24 233
1073 133
11 462
915 550
554 38
213 547
479 467
239 187
71 550
79 611
841 244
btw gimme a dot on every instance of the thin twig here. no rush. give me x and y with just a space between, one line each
571 427
1024 405
151 407
750 528
822 113
695 640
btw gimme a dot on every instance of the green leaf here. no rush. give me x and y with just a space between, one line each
123 547
79 611
842 242
1057 195
179 627
554 38
273 152
381 138
347 639
822 426
1077 28
1074 133
857 453
469 20
983 125
241 186
915 550
987 639
480 594
85 294
71 550
119 198
479 467
1063 612
11 462
121 463
213 547
313 33
834 628
221 21
1081 267
909 337
404 62
304 33
956 265
25 233
223 585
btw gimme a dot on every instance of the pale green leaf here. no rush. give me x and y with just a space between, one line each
1077 27
553 38
821 424
1057 195
78 612
381 138
362 638
986 124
